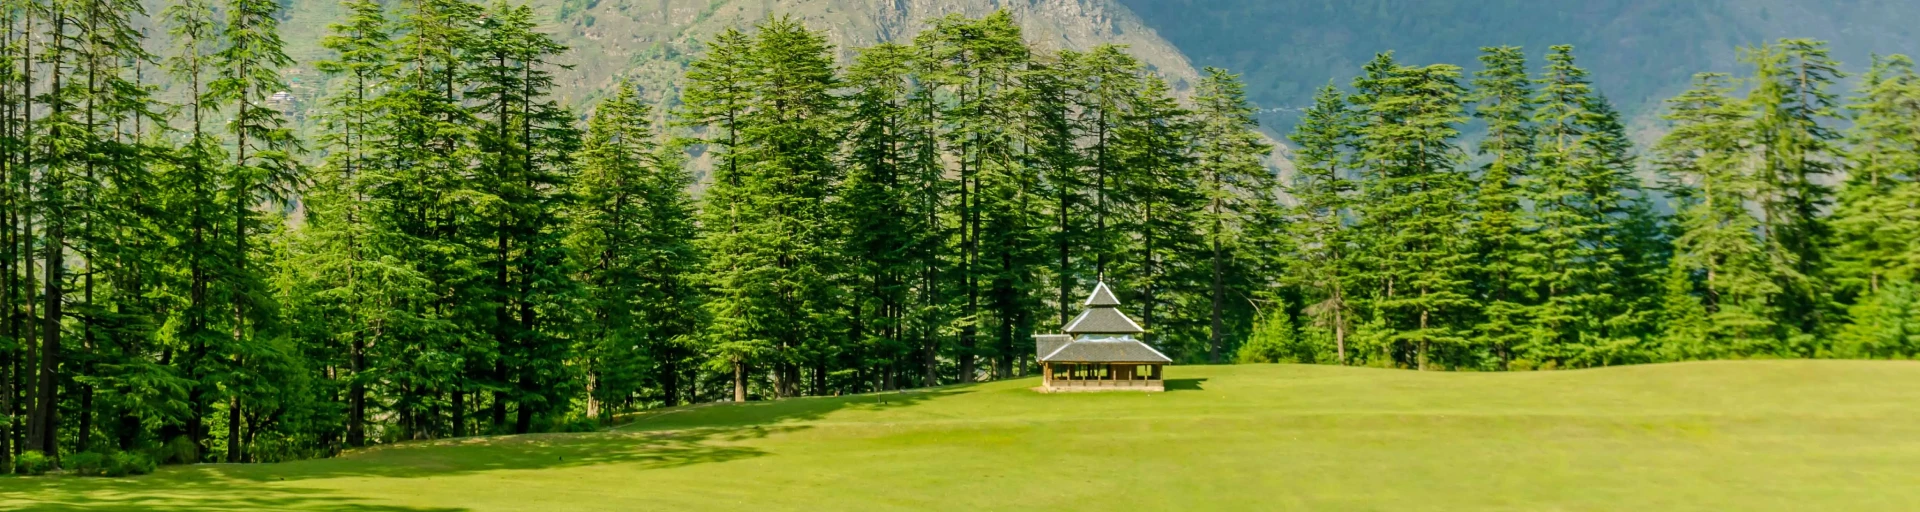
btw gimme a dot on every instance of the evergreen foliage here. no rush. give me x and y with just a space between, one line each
460 253
1233 221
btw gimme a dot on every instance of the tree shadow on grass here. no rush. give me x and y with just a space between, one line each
276 486
223 487
783 412
668 438
676 437
1185 384
184 489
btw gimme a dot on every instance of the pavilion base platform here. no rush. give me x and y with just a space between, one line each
1084 386
1089 377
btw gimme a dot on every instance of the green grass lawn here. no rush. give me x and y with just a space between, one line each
1729 436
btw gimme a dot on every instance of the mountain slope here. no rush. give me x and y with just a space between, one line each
1640 51
652 40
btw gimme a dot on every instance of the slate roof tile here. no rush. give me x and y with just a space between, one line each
1103 321
1121 350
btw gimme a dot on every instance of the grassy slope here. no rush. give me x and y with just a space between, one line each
1745 436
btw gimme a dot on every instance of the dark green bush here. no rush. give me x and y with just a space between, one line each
570 424
180 450
129 463
274 448
86 464
32 463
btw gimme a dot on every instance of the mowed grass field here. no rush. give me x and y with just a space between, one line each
1722 436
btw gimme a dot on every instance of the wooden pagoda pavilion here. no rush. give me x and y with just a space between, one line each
1099 351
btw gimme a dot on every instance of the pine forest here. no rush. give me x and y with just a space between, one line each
188 274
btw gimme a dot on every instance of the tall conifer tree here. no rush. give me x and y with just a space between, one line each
1235 185
195 184
1504 96
976 63
1872 222
1579 194
632 236
348 270
1794 111
1324 185
1703 155
264 167
1163 207
1416 203
883 232
717 98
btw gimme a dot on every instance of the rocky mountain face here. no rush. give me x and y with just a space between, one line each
651 41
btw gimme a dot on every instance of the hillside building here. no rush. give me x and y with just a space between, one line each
1100 351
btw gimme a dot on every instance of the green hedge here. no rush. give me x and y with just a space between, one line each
32 463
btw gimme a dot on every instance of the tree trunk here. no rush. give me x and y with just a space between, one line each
931 361
357 394
1009 314
820 379
1216 334
1340 332
502 341
459 407
8 110
45 431
1422 355
6 407
1066 263
522 414
22 245
252 432
670 380
46 417
593 403
528 384
969 238
234 448
739 381
83 440
499 405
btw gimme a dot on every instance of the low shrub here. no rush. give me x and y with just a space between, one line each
571 424
86 464
275 448
129 463
180 450
32 463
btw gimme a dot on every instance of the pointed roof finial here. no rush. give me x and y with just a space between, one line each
1102 297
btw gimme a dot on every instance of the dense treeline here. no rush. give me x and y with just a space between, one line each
916 219
455 253
1539 245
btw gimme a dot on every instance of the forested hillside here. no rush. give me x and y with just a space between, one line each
455 248
1641 51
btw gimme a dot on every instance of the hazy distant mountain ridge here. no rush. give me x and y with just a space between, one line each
1640 51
